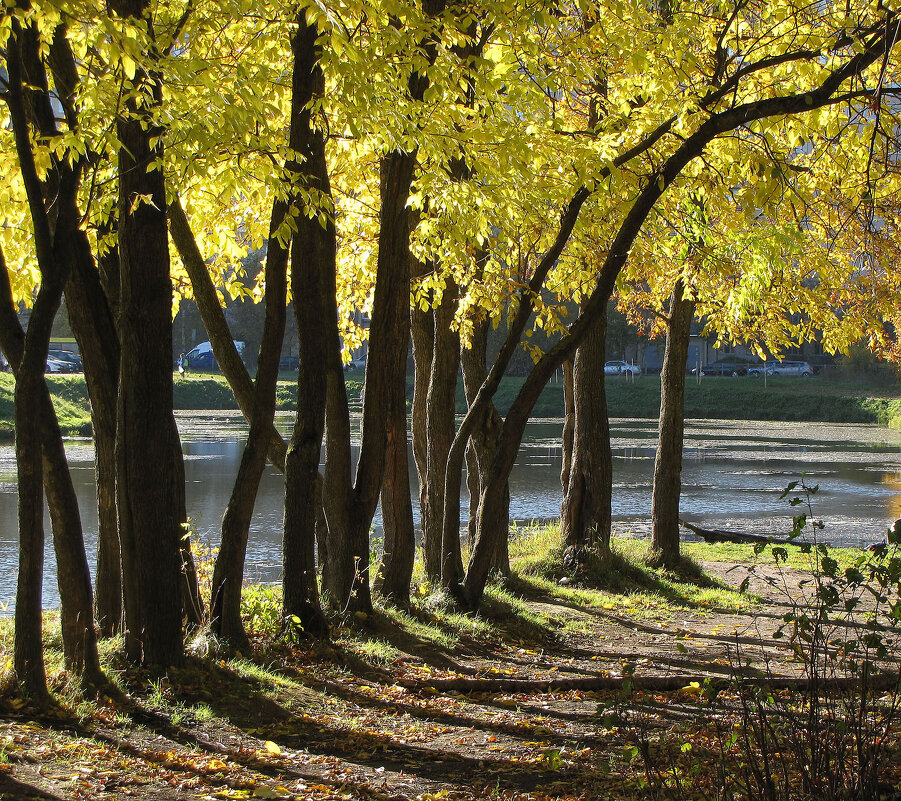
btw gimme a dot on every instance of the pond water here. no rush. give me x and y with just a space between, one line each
733 474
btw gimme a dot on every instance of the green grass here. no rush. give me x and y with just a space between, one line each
827 399
832 399
623 581
69 398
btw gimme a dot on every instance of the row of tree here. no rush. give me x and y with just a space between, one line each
441 165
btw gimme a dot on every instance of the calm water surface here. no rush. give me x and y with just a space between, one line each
732 477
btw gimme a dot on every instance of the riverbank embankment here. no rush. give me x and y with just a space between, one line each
822 399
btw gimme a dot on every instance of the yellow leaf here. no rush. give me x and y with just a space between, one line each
273 748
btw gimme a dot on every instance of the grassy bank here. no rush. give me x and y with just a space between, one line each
827 399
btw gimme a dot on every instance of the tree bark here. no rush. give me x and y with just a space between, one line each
440 424
385 380
484 444
668 463
93 324
228 573
585 515
38 439
396 569
422 329
313 253
150 526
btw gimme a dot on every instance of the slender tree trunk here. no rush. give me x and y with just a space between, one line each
28 656
38 439
569 425
228 574
422 325
385 380
484 444
585 515
150 525
191 603
93 324
396 570
668 464
79 636
440 425
312 269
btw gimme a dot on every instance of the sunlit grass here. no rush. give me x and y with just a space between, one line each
620 580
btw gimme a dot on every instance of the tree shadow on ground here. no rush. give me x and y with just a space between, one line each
246 703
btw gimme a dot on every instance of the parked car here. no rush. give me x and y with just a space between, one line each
201 357
58 366
802 369
621 368
729 366
68 357
356 364
289 363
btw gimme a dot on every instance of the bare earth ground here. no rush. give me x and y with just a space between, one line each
325 724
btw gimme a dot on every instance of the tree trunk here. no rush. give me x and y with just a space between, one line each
422 329
313 253
228 574
191 603
668 464
484 444
74 580
396 570
93 324
385 381
38 439
585 515
569 425
150 525
28 656
440 426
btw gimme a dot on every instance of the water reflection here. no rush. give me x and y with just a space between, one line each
732 477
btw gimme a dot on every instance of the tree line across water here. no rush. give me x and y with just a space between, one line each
442 165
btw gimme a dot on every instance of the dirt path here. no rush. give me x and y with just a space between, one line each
325 725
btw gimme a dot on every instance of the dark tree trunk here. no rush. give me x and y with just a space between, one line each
313 266
192 605
93 324
74 580
228 574
422 326
569 424
147 492
38 439
440 425
347 575
668 464
483 443
385 381
396 570
585 512
28 657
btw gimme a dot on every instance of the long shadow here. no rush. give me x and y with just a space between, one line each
361 748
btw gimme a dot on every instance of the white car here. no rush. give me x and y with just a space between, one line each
802 369
621 368
57 366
